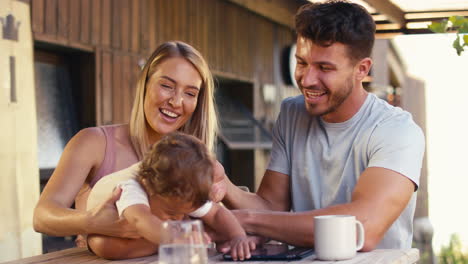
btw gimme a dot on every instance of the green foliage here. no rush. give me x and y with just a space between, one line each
439 27
453 253
457 23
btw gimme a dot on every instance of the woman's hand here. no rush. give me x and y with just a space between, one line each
104 219
219 188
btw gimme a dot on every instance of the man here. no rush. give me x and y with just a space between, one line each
336 148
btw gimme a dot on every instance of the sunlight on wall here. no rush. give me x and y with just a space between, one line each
432 58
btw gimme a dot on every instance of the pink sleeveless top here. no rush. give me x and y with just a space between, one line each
108 164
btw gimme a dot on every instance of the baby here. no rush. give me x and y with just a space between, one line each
173 181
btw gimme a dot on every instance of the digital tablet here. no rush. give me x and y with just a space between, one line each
277 252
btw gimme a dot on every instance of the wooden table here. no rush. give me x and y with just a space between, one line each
81 255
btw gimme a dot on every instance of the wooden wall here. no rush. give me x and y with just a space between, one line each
236 42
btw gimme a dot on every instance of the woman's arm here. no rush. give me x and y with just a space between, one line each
53 215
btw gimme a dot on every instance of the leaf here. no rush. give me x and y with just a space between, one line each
457 46
457 21
438 27
465 39
463 28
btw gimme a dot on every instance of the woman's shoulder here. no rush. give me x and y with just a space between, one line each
103 132
88 141
89 135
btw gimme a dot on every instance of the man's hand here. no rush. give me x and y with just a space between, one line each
105 220
219 187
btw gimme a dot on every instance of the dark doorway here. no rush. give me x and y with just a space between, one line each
65 103
240 133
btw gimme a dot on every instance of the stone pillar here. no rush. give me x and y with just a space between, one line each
19 180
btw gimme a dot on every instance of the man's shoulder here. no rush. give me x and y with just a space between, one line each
294 100
295 103
392 120
390 114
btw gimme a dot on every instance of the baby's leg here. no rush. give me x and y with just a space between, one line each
120 248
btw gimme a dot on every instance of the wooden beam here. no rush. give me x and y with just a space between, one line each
392 11
435 14
279 11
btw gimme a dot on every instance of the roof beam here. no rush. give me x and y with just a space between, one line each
392 11
279 11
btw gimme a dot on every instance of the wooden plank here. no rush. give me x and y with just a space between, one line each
85 21
273 10
37 8
135 20
134 74
223 30
74 30
126 88
183 27
62 42
51 17
163 30
214 43
106 84
172 29
116 28
243 44
82 255
98 85
232 40
117 86
204 25
144 38
106 23
392 11
160 25
96 22
125 24
193 24
63 19
216 38
152 24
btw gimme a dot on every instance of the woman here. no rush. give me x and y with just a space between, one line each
174 92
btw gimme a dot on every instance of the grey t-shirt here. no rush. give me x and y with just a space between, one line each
324 160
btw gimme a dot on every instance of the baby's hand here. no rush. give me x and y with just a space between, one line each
241 247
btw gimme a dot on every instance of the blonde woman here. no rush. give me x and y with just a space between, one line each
174 93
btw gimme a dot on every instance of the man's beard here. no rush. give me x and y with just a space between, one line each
336 99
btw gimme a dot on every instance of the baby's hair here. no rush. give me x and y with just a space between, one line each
179 165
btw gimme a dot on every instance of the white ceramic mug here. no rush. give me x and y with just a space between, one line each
336 238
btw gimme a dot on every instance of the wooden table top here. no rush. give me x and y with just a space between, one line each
81 255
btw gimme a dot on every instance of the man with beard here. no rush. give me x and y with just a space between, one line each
337 149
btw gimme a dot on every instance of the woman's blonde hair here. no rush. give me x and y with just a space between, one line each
203 124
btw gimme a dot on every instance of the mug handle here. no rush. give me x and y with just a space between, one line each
360 241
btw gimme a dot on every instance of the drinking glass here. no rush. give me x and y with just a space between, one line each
182 242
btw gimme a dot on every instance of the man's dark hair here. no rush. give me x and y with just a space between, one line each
338 21
179 166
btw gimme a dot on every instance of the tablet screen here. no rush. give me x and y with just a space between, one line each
277 252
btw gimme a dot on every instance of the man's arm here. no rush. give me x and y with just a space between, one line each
273 194
378 199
